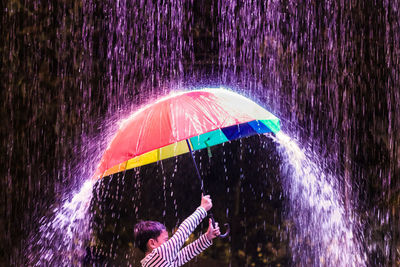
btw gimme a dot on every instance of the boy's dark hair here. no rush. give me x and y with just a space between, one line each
146 230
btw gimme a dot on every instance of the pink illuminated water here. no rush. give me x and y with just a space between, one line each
70 227
324 234
330 69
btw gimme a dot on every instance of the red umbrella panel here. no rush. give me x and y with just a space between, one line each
204 117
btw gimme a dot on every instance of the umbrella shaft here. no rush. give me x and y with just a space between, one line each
197 169
210 215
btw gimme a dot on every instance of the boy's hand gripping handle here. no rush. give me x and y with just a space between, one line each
228 228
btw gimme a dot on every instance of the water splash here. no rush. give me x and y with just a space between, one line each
63 238
323 234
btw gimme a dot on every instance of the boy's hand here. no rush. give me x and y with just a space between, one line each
212 232
206 202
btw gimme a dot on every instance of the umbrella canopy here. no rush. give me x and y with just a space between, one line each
203 117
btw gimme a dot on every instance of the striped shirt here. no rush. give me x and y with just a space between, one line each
169 253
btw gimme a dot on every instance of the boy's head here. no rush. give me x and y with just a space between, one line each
150 235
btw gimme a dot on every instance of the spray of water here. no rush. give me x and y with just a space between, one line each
322 234
62 239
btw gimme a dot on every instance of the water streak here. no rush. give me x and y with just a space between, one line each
323 233
62 239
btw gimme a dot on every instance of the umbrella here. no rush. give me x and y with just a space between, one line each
181 123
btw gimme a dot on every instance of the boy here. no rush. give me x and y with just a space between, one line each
152 238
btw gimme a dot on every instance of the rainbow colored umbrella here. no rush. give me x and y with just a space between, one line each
182 122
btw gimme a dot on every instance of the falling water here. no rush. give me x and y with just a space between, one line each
329 69
64 234
324 234
63 239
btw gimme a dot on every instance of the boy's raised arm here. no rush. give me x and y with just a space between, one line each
170 249
192 250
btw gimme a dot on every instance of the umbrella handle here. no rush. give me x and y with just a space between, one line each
228 228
